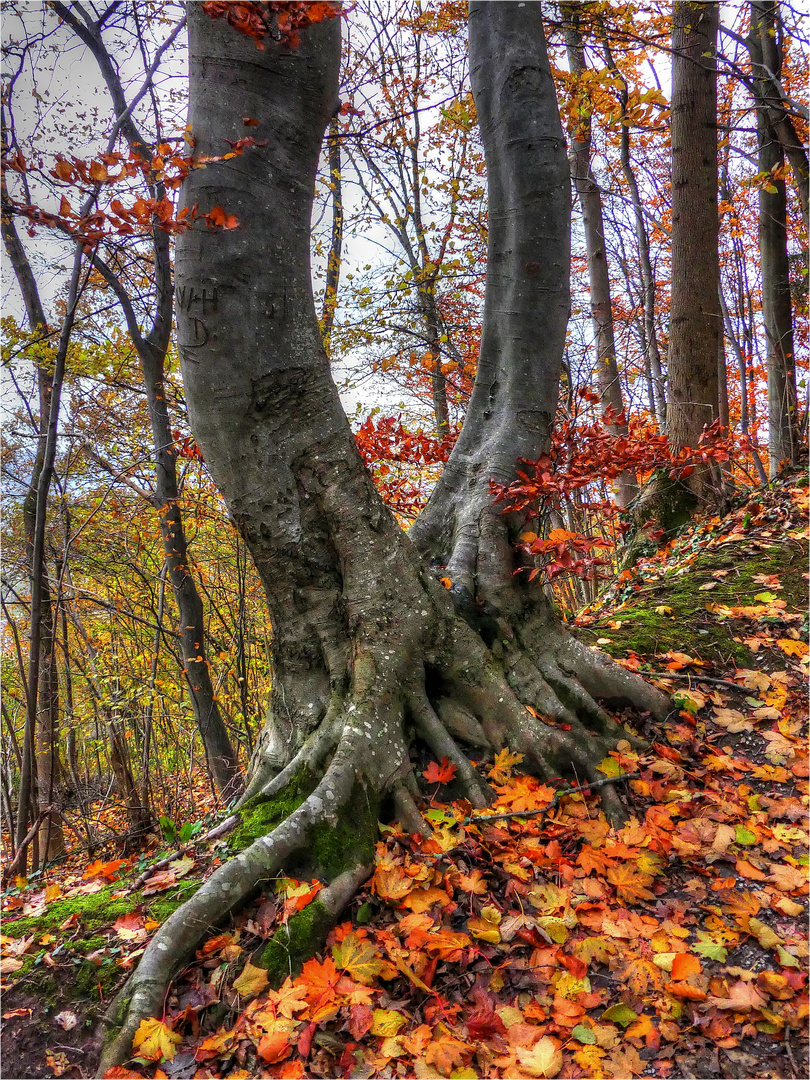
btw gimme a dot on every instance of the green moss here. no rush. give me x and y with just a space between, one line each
97 983
260 815
689 626
335 848
295 943
98 911
95 910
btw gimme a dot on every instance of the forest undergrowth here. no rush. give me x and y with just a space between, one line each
540 945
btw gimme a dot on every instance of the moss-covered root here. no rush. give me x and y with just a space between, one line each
229 887
295 942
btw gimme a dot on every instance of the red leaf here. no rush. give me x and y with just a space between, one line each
439 774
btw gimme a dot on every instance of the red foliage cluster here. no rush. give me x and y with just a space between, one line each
186 447
396 458
564 552
582 454
167 166
279 19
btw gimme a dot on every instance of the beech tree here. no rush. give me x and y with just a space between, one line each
695 320
369 650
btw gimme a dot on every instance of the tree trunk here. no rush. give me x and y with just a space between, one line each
333 262
783 437
590 198
765 47
41 770
367 648
695 321
152 348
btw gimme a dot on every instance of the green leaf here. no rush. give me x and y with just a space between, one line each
710 950
745 836
620 1014
583 1035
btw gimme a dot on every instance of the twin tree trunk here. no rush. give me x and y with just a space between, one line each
369 650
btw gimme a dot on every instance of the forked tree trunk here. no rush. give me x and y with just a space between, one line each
367 648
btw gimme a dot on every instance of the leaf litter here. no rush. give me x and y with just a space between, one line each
543 945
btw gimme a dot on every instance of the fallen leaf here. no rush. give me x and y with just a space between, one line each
155 1041
251 981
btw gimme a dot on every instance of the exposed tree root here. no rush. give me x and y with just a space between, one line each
464 696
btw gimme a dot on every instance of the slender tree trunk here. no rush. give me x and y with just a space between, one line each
39 785
333 261
590 198
695 321
765 47
366 643
783 437
152 348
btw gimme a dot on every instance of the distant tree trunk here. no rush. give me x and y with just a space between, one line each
41 768
657 395
765 47
152 347
333 261
607 369
783 436
695 320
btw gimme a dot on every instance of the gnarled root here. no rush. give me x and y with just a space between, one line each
460 695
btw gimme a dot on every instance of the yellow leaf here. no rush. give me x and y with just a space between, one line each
358 958
154 1041
486 928
545 1060
554 928
251 981
386 1022
793 648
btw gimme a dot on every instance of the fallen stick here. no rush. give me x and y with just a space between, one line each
212 834
697 678
554 802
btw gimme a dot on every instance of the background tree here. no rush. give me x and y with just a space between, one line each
695 322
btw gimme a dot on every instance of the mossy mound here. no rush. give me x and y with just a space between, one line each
90 979
672 613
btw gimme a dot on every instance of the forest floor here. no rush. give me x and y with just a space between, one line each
547 945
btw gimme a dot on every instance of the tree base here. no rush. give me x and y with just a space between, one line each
318 816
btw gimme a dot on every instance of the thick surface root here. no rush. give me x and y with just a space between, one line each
465 696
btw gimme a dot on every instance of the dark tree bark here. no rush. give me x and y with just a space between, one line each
368 650
590 198
695 319
152 347
41 771
783 435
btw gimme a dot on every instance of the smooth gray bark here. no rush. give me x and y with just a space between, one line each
514 400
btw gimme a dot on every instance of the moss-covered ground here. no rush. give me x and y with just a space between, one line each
680 607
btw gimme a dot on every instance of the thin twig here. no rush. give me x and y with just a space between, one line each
697 678
554 802
219 830
790 1053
